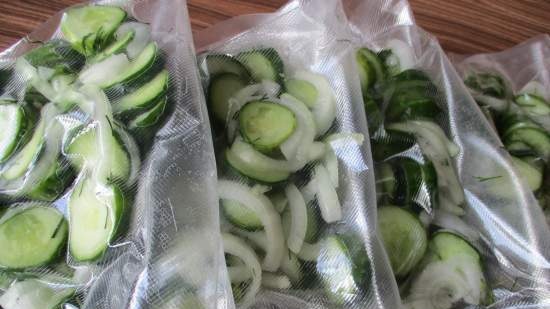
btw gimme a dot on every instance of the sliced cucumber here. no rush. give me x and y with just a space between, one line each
116 47
487 84
94 216
241 216
313 224
32 237
222 64
537 139
266 125
530 174
452 274
56 55
371 68
83 150
52 184
222 87
141 38
303 91
263 64
34 294
404 238
12 126
89 28
150 117
533 104
144 97
344 269
252 163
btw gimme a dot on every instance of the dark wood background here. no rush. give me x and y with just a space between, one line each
462 26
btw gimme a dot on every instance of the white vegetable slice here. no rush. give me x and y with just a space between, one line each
296 148
11 125
330 161
141 38
274 281
265 211
33 294
403 52
105 70
239 273
310 252
324 109
235 246
317 151
298 222
454 223
327 198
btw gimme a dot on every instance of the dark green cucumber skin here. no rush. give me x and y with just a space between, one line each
390 143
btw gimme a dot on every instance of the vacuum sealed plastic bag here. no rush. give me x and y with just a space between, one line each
459 225
513 89
107 172
295 176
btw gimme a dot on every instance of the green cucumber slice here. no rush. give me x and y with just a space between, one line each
415 183
263 64
57 55
533 104
12 126
88 28
150 117
241 216
145 96
303 91
446 245
32 237
83 149
222 64
34 294
52 185
136 68
537 139
94 217
371 68
116 47
222 87
529 173
266 125
344 269
404 238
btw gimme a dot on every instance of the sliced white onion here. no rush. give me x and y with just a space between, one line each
429 139
142 36
248 153
267 214
290 266
102 71
404 52
330 161
271 88
33 294
274 281
235 246
327 198
454 223
296 148
358 138
324 109
497 104
452 148
310 252
258 239
239 273
298 215
280 201
309 190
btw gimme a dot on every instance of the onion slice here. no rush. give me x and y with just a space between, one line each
274 281
237 247
267 214
327 198
298 222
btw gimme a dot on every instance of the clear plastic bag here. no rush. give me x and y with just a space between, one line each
311 36
503 219
167 252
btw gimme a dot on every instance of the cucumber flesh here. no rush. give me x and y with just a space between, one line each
371 69
83 150
150 117
404 238
537 139
223 64
89 28
144 97
263 64
266 125
140 39
222 88
32 237
12 126
303 91
52 184
446 245
34 294
529 173
240 216
93 218
116 47
533 105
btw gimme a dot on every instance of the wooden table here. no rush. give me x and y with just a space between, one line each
462 26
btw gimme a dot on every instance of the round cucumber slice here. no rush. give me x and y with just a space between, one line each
32 237
266 125
241 216
12 125
447 245
533 104
404 238
221 89
303 91
93 218
91 26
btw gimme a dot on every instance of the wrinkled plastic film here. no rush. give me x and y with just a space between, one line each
168 250
313 36
514 238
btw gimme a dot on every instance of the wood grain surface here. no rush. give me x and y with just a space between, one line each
462 26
